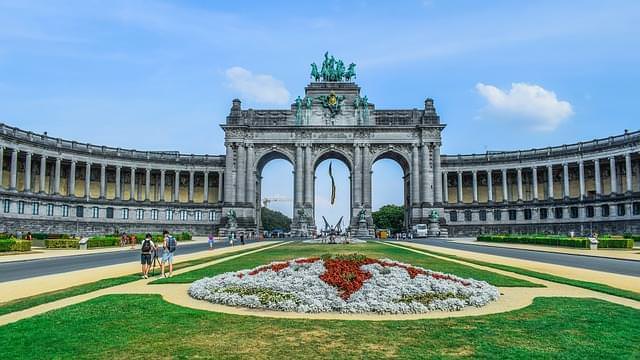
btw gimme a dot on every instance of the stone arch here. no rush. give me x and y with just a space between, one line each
269 154
333 153
393 154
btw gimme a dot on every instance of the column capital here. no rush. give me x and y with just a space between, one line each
162 171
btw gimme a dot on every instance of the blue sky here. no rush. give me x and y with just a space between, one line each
161 75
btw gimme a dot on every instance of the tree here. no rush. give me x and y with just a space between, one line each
272 219
389 217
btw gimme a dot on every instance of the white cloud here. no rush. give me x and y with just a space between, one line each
260 88
537 107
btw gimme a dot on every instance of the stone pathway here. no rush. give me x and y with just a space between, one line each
511 298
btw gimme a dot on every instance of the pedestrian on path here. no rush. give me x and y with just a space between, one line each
134 240
169 247
145 255
210 241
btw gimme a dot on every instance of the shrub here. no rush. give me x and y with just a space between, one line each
6 236
14 245
102 241
183 236
61 244
576 242
615 243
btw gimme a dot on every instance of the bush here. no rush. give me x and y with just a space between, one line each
615 243
14 245
185 236
6 236
45 236
102 241
61 244
576 242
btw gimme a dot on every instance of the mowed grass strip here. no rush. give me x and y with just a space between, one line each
139 326
31 301
606 289
371 249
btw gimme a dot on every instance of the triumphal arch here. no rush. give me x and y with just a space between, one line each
334 119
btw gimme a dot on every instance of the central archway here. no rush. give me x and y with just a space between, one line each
341 167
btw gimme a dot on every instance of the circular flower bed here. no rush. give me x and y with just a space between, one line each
344 283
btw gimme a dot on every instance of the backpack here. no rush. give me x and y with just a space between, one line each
146 246
171 244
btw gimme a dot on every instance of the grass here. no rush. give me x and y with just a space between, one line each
375 250
31 301
120 326
606 289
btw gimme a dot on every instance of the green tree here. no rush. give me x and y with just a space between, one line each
389 217
272 219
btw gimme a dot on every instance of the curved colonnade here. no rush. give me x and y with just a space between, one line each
58 186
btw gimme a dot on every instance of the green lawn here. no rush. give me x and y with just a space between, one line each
376 250
145 326
31 301
606 289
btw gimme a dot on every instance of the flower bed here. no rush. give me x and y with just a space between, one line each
344 283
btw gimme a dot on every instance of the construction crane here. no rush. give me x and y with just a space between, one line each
267 201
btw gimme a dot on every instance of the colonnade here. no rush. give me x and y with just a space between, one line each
71 166
523 183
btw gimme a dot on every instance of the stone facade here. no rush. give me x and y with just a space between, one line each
55 185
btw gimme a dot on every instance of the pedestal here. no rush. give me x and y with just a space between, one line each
363 230
433 228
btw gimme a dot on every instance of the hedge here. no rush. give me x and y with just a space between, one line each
45 236
576 242
15 245
605 242
61 244
103 241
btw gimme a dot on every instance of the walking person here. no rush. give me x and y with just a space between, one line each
145 255
210 241
133 241
241 238
169 247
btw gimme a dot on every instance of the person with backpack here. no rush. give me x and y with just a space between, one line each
169 247
145 258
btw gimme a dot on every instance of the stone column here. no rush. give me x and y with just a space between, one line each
13 179
445 184
162 183
72 179
147 184
43 173
241 177
1 164
366 179
298 181
87 181
437 179
415 176
614 175
474 175
191 180
425 193
505 189
176 186
628 171
308 176
27 173
56 183
534 177
133 184
490 185
460 187
220 182
205 190
565 181
550 181
251 177
103 181
519 179
118 182
581 179
357 176
596 174
228 174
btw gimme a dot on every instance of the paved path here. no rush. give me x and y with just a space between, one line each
23 269
616 266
